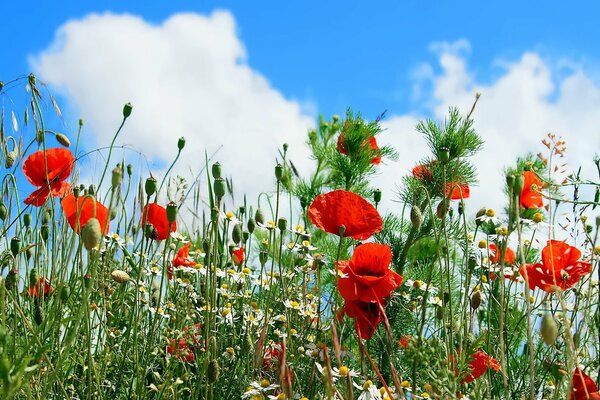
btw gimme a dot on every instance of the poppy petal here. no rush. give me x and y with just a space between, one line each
156 215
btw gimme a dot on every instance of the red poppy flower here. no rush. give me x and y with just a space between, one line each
41 289
237 255
181 259
530 198
371 142
85 208
422 172
156 215
560 267
480 362
183 348
272 352
583 387
509 256
48 171
367 317
457 191
404 340
329 211
368 276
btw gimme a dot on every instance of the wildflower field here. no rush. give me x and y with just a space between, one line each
141 284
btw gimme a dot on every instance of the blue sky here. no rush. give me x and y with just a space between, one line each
252 75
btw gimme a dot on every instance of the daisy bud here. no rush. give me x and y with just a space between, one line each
259 216
15 246
476 300
171 212
279 172
444 154
312 136
10 159
150 186
548 329
376 196
3 212
416 217
282 224
251 225
236 233
91 234
127 110
11 279
27 220
216 170
181 143
120 276
219 187
63 139
212 372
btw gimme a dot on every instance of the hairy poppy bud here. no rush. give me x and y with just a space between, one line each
91 234
91 190
216 170
251 225
442 208
377 196
416 217
44 232
127 110
219 187
120 276
213 371
76 191
117 176
236 233
27 220
150 186
15 246
518 185
171 212
476 300
11 279
548 329
279 172
206 245
181 143
3 212
10 159
282 224
63 139
33 277
259 216
113 213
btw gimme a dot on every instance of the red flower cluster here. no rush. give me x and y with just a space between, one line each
331 211
455 190
182 259
560 267
41 289
480 362
370 142
48 170
583 387
530 198
367 281
84 207
156 215
184 348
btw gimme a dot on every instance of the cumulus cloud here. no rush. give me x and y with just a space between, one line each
188 76
528 100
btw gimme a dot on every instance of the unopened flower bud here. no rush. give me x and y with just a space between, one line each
38 314
416 217
263 256
441 209
33 277
64 291
113 213
475 300
11 157
76 191
259 216
3 212
285 147
15 245
171 212
127 110
246 235
120 276
11 279
251 225
117 176
181 143
216 170
63 139
282 224
91 190
27 220
129 169
150 186
236 233
44 232
91 234
342 230
377 196
479 215
548 329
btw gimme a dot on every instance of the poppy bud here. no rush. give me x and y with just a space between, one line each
548 329
236 233
479 215
377 196
444 155
129 169
219 187
246 235
15 246
518 185
120 276
171 212
282 224
3 212
216 170
10 159
11 279
46 216
117 176
150 232
510 181
113 213
64 292
279 172
44 232
38 313
91 190
251 225
29 252
476 300
461 208
87 281
212 372
181 143
63 139
150 186
127 110
441 209
416 217
263 256
285 147
439 313
27 220
91 234
76 191
33 277
206 245
259 216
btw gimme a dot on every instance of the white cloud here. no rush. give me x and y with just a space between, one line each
527 101
187 76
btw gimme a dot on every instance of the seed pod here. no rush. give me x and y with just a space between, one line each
377 196
548 329
38 313
213 371
444 155
216 170
181 143
120 276
259 216
279 172
171 212
150 186
476 300
251 225
15 245
416 217
236 233
219 187
27 220
91 234
282 224
127 108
